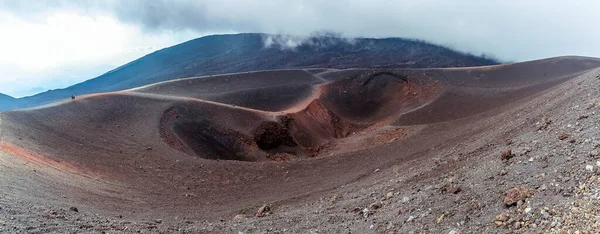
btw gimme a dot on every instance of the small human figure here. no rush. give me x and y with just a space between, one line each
72 97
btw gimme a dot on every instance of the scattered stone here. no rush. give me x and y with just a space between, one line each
501 217
405 199
508 141
239 217
441 218
149 148
594 153
522 151
582 117
517 225
506 155
544 123
589 168
366 212
158 221
74 209
572 141
475 206
389 195
334 198
263 210
454 190
516 194
375 205
410 219
563 136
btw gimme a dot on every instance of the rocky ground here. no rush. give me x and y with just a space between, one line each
529 168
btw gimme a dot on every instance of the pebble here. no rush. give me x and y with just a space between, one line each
365 212
389 195
523 151
263 210
375 205
441 218
517 225
516 195
501 218
506 155
589 168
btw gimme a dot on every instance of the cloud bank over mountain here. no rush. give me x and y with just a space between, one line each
509 30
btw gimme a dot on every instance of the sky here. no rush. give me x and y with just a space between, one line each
49 44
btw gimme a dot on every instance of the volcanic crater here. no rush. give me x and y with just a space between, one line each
209 148
336 110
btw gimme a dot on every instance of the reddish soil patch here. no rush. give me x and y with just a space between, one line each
40 159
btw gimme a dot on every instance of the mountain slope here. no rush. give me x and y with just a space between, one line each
219 54
149 152
6 101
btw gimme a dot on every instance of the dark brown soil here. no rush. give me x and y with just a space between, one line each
170 152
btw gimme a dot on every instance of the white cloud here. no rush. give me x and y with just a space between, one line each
65 47
509 29
43 37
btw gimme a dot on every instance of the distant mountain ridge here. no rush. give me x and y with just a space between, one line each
219 54
7 101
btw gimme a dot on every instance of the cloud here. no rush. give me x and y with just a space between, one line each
510 30
57 48
319 39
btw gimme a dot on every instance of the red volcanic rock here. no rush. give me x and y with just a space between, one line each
544 123
263 210
506 155
516 194
563 136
